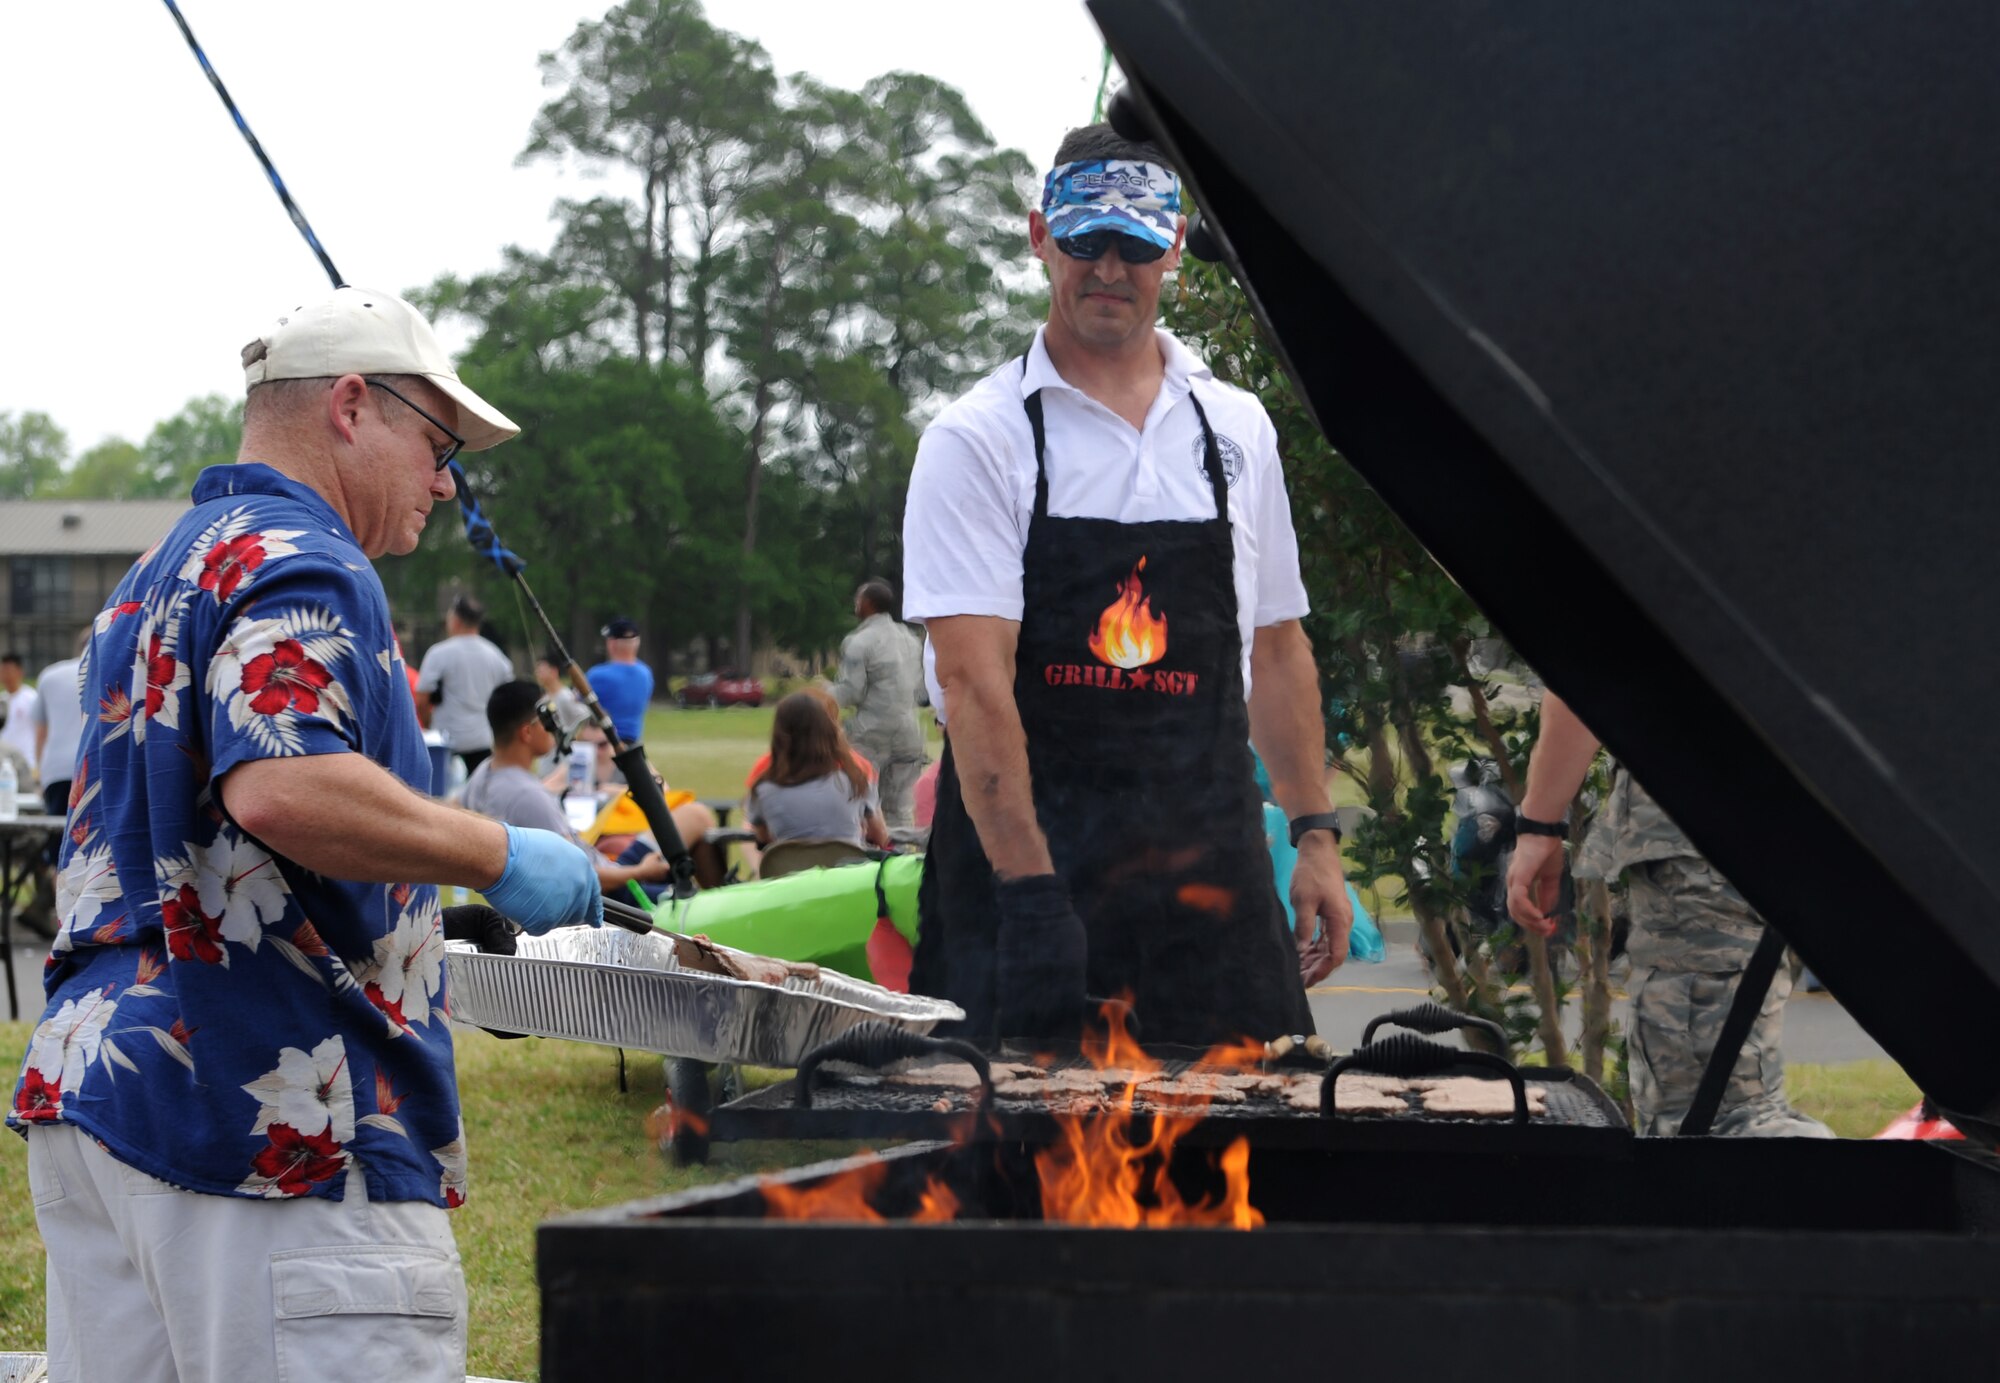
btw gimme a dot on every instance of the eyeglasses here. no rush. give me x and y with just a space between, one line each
451 448
1093 244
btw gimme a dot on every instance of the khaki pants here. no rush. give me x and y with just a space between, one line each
151 1284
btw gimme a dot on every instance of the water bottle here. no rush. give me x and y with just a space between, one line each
582 769
10 787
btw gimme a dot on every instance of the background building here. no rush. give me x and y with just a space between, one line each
60 559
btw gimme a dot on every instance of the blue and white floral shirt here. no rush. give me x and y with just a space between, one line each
219 1017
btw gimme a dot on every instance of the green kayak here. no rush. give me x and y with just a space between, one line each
823 916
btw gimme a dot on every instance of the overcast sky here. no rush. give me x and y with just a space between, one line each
141 246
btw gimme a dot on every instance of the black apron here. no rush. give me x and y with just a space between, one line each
1129 679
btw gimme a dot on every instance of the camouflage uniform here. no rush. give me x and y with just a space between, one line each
1692 935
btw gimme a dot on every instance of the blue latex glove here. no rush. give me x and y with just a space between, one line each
548 883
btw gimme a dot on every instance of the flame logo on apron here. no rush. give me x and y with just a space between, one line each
1128 634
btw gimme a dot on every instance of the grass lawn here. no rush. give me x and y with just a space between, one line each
710 752
550 1133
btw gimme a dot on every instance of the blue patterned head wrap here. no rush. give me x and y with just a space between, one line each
1136 199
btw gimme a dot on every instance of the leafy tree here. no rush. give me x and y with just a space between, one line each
943 218
1392 635
601 494
655 90
113 469
32 452
823 264
208 431
794 279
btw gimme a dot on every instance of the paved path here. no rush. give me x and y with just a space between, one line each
1817 1028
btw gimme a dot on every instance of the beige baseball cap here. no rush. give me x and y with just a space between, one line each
359 331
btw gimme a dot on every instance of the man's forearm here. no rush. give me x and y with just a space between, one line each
1285 720
1556 770
344 816
990 749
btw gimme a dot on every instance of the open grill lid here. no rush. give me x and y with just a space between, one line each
1683 310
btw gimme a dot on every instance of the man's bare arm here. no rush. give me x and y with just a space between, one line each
1290 735
975 670
1285 721
346 817
1556 769
1561 759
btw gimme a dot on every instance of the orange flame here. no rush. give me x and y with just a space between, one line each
1101 1172
851 1196
1128 634
843 1197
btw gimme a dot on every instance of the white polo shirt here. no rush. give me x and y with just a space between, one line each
972 492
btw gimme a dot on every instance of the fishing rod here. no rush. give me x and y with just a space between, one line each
630 758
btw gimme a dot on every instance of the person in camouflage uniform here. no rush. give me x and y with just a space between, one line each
1692 935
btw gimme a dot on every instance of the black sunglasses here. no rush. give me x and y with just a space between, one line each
1093 244
452 448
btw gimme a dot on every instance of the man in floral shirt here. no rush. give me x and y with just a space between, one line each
240 1106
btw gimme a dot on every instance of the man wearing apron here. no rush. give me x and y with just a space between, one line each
1099 543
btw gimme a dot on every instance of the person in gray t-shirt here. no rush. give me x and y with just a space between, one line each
457 677
813 789
505 788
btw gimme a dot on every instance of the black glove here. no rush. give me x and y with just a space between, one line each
491 930
485 927
1042 956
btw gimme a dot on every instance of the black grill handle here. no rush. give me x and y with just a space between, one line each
878 1044
1433 1018
1403 1054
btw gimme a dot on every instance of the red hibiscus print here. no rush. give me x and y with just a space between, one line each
160 669
453 1198
229 561
39 1100
297 1162
395 1010
191 933
284 679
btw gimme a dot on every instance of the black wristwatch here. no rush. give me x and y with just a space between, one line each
1317 821
1528 826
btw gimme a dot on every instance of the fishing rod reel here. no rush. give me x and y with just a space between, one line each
545 712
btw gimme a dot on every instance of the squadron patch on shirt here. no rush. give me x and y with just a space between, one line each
1231 454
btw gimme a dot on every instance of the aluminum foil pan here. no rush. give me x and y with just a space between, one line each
34 1368
620 989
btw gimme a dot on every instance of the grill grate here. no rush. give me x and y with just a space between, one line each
842 1089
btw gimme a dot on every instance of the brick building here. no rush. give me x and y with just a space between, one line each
60 560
